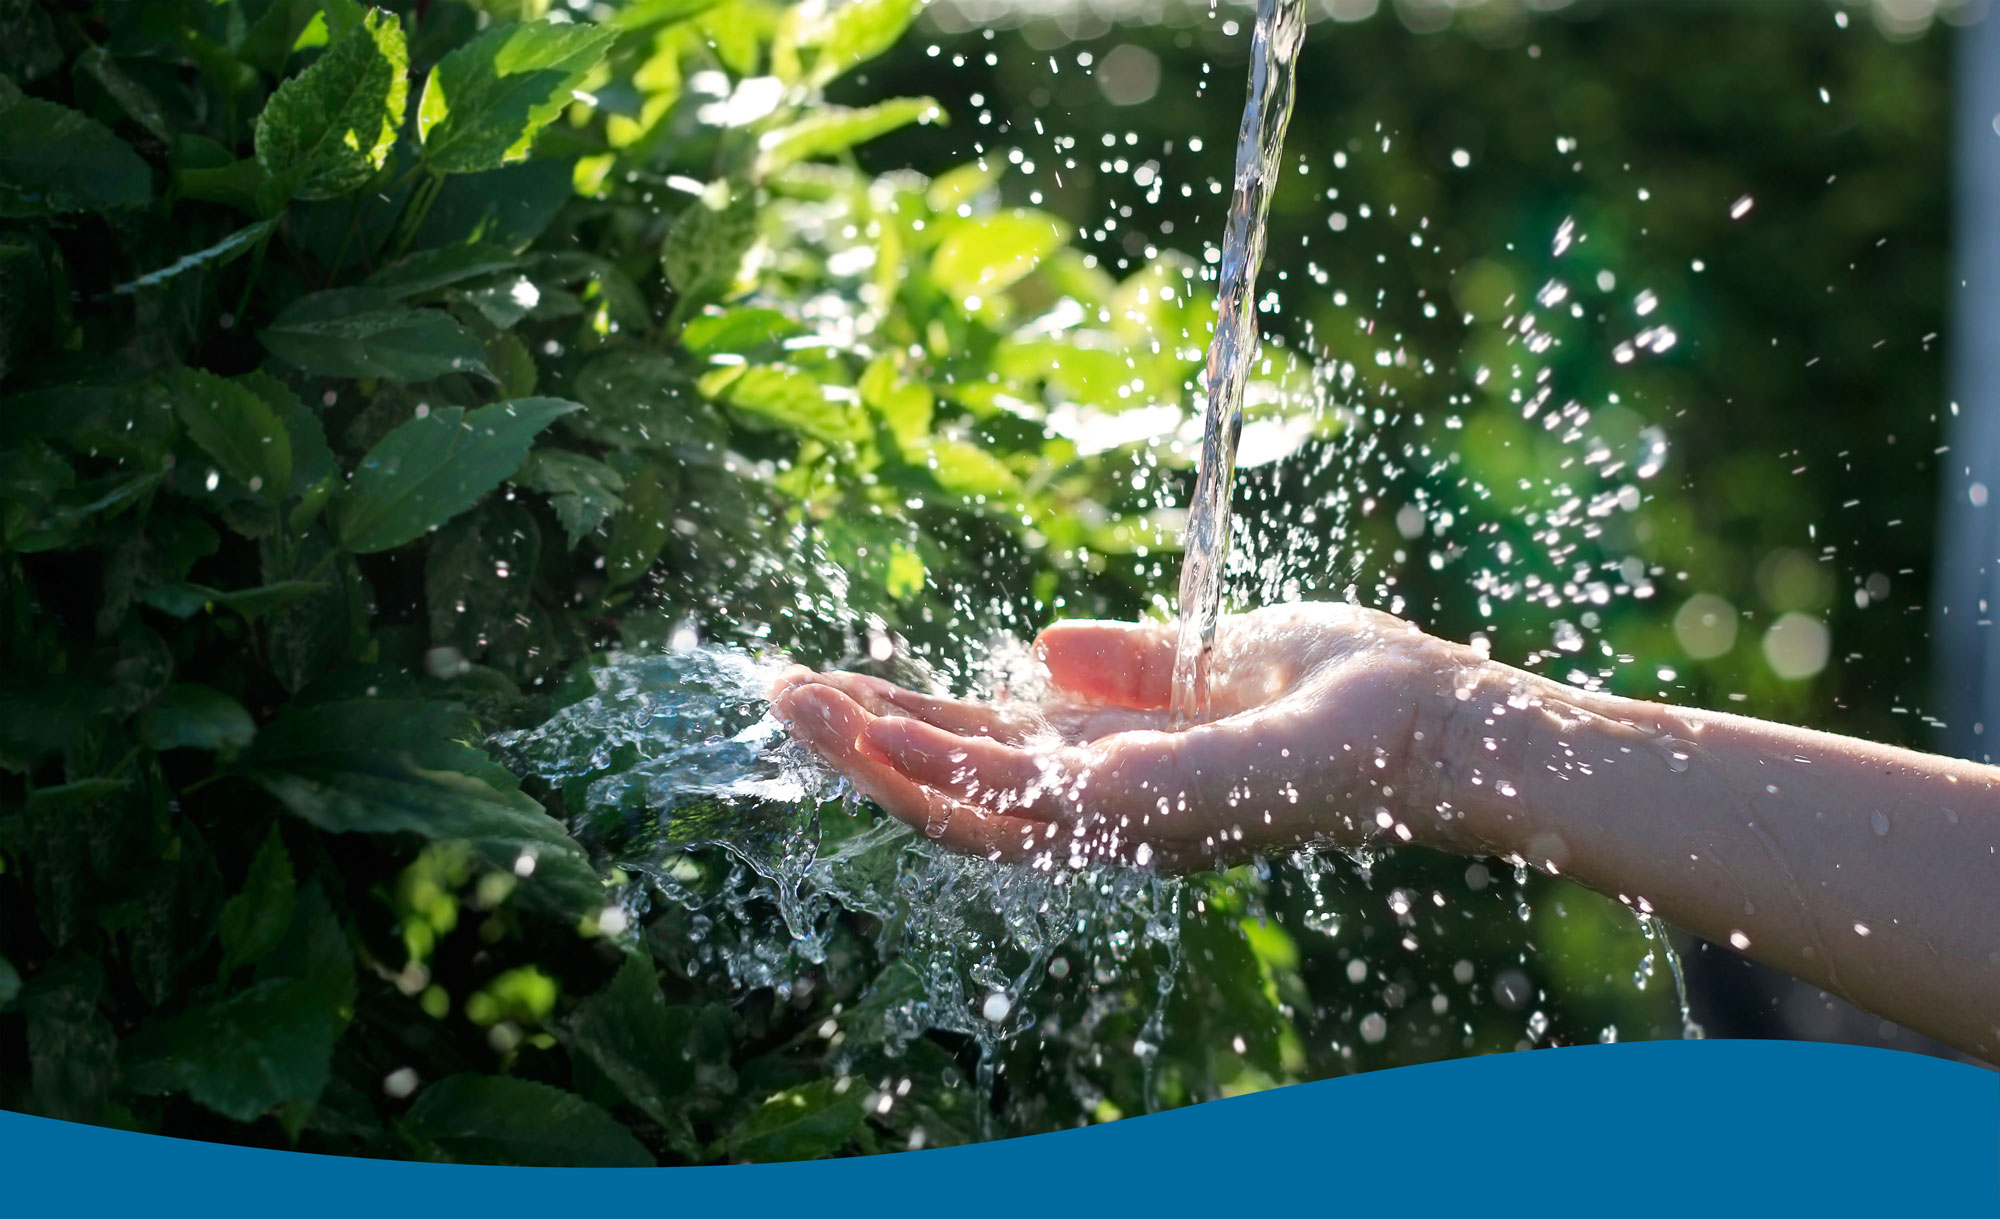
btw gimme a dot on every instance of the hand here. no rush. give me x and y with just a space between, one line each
1322 718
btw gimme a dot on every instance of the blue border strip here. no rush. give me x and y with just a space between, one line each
1671 1128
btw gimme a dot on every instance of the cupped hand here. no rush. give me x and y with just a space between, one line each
1321 715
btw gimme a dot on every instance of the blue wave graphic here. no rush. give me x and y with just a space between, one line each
1680 1128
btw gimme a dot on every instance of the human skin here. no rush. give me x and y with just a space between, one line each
1869 871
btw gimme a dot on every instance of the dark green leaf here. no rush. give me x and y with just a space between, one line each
236 428
490 1119
638 533
640 1043
221 254
431 469
244 1054
360 332
429 270
72 1050
184 600
506 207
582 490
801 1123
196 717
54 160
28 46
133 98
327 130
258 917
484 102
477 576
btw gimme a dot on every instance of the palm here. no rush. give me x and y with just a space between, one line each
1313 708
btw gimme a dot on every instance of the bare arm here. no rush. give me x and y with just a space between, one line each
1870 871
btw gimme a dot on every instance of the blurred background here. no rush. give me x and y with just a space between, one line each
1774 181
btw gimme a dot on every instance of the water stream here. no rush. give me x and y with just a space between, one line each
1267 110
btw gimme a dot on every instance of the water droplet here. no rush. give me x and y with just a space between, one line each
996 1007
1879 822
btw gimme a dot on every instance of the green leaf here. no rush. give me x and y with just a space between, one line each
640 1043
28 46
313 466
644 14
221 254
244 1054
327 130
360 332
801 1123
53 160
431 469
969 471
196 717
988 254
582 490
477 575
492 1119
429 270
403 766
833 129
737 330
484 102
705 249
816 44
638 533
642 399
183 599
506 207
133 98
793 399
237 428
257 919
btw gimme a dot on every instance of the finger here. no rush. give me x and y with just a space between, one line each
980 770
1130 664
831 724
790 677
950 714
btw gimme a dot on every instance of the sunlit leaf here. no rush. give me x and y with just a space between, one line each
327 130
835 129
485 101
983 255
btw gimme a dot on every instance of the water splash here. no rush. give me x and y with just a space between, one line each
1267 110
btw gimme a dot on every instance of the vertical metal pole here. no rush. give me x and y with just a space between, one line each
1968 554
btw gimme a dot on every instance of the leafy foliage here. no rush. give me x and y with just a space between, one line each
393 384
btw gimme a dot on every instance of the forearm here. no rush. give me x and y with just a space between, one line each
1870 871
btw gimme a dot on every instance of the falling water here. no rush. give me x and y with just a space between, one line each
1266 111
